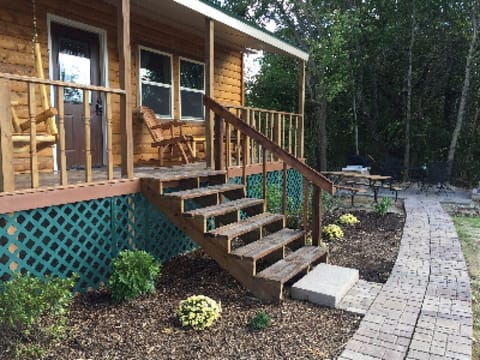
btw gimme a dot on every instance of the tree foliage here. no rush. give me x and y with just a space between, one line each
358 76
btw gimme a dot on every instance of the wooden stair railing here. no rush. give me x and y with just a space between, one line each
253 245
249 242
318 181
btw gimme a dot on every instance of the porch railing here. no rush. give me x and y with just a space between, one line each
285 129
248 136
7 177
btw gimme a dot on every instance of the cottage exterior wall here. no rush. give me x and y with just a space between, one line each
16 56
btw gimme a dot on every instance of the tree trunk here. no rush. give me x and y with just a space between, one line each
355 120
463 99
319 132
323 134
408 117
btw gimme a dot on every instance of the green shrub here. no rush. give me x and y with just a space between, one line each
25 301
274 198
260 321
329 202
382 207
332 232
348 219
29 351
34 311
134 273
198 312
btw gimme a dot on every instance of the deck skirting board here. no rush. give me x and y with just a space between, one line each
37 198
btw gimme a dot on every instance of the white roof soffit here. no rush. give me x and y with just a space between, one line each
271 43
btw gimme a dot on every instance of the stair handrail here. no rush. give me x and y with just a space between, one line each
306 171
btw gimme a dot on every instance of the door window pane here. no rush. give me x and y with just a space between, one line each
156 82
74 63
192 88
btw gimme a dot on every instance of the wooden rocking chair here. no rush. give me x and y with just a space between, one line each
175 139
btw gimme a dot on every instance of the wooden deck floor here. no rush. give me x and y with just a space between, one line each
77 176
50 192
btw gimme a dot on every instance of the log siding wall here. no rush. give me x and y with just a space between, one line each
16 56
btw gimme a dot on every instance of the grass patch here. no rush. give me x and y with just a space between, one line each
468 229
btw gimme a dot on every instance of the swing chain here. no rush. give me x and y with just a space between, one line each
35 32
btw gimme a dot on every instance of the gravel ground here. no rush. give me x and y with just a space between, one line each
146 328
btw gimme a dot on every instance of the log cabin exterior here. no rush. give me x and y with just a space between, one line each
105 59
172 39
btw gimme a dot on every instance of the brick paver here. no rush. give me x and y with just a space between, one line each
423 311
360 297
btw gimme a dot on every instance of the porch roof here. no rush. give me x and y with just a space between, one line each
229 30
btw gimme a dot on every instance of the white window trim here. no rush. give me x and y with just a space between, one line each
188 118
172 100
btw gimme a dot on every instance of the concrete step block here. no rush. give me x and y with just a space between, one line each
325 285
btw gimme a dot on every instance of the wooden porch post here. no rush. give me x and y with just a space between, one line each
219 144
301 111
316 216
209 88
124 54
7 177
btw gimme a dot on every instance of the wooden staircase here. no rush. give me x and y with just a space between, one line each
254 246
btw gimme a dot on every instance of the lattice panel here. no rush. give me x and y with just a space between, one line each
84 237
295 189
275 178
59 240
163 239
129 221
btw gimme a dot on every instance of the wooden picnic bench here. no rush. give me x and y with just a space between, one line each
352 190
351 181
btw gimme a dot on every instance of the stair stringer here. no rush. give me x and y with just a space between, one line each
242 271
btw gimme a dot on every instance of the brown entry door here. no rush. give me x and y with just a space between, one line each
76 59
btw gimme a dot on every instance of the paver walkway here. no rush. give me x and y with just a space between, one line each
360 297
423 311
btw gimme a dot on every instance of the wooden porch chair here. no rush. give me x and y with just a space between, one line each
174 139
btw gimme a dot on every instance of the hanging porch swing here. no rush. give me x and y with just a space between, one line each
20 139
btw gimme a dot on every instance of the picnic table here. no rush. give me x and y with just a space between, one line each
344 179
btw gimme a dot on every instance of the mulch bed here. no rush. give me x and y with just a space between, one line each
370 246
146 328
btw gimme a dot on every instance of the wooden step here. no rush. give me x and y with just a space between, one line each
183 174
204 191
224 208
293 264
261 248
237 229
182 179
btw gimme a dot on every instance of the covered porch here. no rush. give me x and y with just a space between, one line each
125 142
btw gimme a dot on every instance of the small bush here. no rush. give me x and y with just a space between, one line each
198 312
260 321
382 207
329 202
274 198
34 310
134 273
26 300
348 219
332 232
